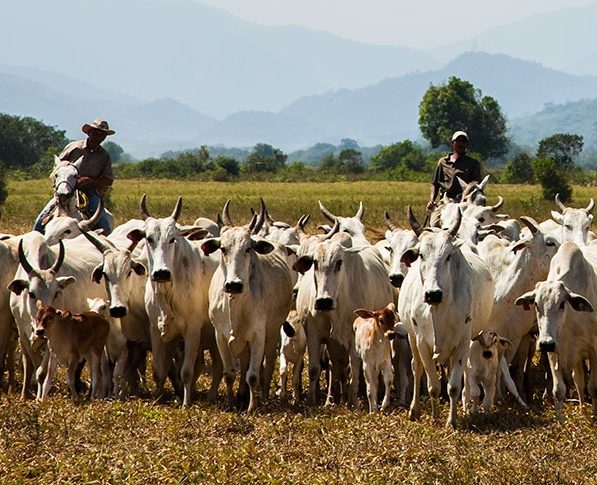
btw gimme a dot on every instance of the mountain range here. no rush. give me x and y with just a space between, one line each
175 74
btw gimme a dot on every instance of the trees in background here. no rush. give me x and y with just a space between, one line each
24 141
458 105
404 154
264 158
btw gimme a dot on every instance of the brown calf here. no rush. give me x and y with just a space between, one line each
373 331
71 337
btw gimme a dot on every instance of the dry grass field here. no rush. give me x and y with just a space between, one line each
149 441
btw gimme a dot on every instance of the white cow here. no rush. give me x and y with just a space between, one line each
564 306
341 280
396 242
352 225
249 298
176 299
574 224
446 296
65 226
9 262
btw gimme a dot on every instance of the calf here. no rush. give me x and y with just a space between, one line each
483 366
373 332
70 338
293 342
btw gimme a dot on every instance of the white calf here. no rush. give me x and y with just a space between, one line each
292 349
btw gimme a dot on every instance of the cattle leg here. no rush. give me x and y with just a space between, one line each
95 360
297 372
41 374
455 382
388 377
559 386
71 372
314 352
230 365
51 372
433 382
504 373
257 347
191 347
270 353
217 371
355 374
470 393
417 368
11 364
578 375
593 382
161 360
371 381
283 375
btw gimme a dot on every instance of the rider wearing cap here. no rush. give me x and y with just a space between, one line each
95 170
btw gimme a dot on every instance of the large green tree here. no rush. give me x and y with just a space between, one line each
402 154
264 158
458 105
25 140
562 148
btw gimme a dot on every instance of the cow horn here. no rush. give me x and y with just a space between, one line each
561 206
328 215
388 220
226 214
88 224
412 220
454 229
60 259
143 208
219 220
177 208
361 211
591 206
302 222
498 205
484 182
258 219
333 230
23 260
530 223
101 247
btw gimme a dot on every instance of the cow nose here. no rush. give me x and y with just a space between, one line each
233 287
433 297
396 280
324 304
118 311
487 354
547 346
161 275
40 332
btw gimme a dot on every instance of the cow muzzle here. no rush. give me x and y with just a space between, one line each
161 275
118 311
487 354
40 332
433 297
396 280
233 287
547 346
324 304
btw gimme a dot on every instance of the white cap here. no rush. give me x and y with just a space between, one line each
459 133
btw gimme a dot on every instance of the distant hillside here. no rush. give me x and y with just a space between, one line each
388 111
212 61
579 117
563 40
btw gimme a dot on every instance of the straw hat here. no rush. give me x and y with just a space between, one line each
101 125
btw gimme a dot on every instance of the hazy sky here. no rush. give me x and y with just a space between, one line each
416 23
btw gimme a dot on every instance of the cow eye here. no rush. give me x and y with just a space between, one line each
129 273
449 257
68 231
338 265
550 243
172 241
389 249
223 250
568 226
150 240
481 219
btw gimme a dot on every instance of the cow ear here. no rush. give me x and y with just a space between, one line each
526 300
136 235
579 303
193 233
65 281
556 216
409 256
262 246
17 286
96 276
303 264
505 343
288 329
138 268
477 337
364 313
210 246
291 249
518 246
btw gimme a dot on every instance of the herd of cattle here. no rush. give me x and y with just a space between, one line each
457 297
